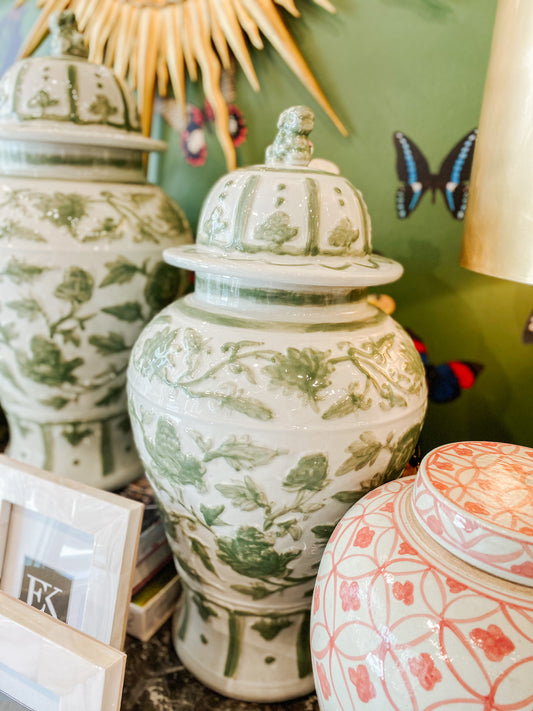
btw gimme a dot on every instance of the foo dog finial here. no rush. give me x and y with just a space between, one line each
65 36
292 145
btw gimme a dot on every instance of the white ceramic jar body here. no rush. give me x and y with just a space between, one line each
399 623
261 415
81 272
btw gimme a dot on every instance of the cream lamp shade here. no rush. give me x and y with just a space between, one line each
498 233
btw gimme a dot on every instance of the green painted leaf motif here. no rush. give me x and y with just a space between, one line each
46 364
170 461
363 453
380 350
309 474
74 434
402 451
194 345
14 230
204 610
203 443
275 230
188 569
107 345
57 403
350 402
69 335
245 496
245 405
156 352
21 272
8 333
121 271
129 311
291 528
113 395
102 107
25 308
162 286
63 209
343 235
215 223
323 533
304 371
350 497
270 627
252 554
173 216
76 287
139 199
200 550
7 373
390 398
107 230
242 453
42 100
211 514
257 591
413 366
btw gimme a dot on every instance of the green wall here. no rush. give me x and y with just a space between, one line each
417 66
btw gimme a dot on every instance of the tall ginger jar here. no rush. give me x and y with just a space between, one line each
81 268
264 404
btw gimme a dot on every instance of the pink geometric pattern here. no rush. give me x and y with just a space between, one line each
393 628
476 499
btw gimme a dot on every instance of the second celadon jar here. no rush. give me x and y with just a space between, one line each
81 269
264 404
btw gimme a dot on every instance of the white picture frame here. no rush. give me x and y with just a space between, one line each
46 665
68 549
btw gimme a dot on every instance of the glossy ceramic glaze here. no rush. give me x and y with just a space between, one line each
263 405
399 622
81 270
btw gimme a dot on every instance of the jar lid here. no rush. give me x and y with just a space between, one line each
64 98
476 499
292 220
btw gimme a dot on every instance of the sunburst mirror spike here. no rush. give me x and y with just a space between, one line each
154 43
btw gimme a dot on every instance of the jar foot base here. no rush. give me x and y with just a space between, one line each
233 651
100 453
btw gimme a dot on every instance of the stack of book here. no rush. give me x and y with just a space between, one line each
155 588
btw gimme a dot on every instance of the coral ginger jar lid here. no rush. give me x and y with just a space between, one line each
65 99
476 499
292 221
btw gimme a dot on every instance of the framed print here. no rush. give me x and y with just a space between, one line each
46 665
68 549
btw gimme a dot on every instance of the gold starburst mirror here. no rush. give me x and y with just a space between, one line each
154 43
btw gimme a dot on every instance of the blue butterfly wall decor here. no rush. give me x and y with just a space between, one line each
452 179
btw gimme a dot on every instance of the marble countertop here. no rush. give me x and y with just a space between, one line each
156 680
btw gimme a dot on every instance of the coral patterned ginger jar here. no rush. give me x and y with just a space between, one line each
264 404
81 268
424 596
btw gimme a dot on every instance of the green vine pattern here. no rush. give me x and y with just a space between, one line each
47 361
253 552
133 213
306 372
